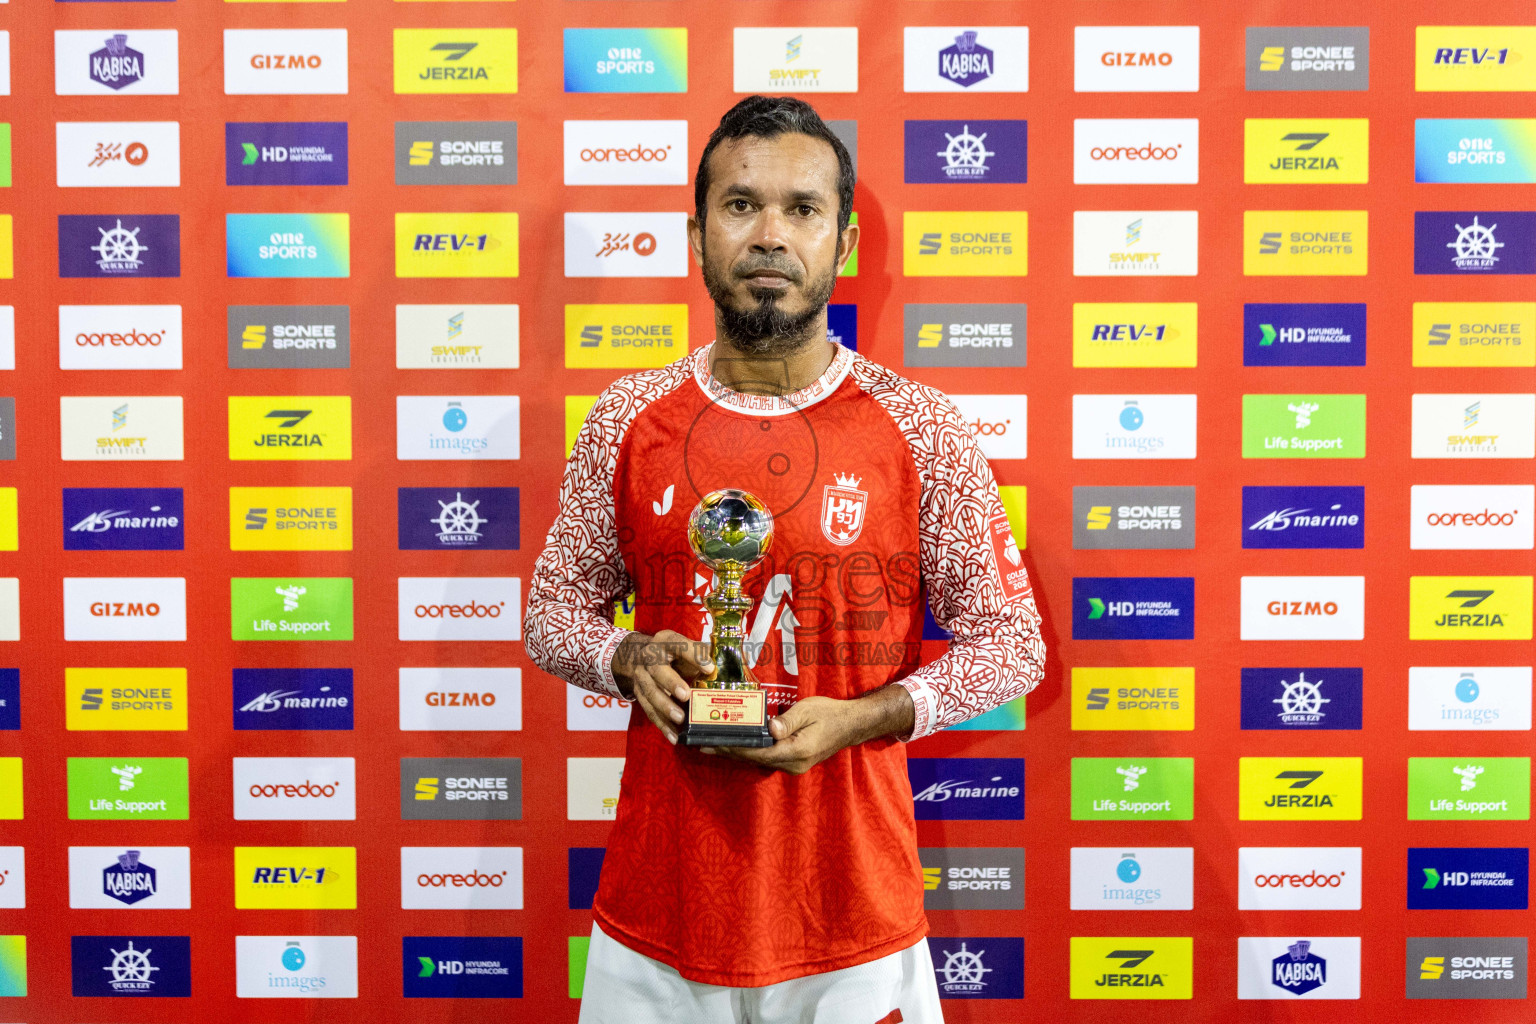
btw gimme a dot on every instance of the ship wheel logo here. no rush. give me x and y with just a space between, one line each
131 969
966 155
963 969
119 249
1474 245
1301 701
460 521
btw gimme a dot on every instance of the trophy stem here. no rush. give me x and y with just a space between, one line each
728 606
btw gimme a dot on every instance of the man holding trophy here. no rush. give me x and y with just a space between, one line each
781 508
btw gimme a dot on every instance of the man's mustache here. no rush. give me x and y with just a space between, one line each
780 264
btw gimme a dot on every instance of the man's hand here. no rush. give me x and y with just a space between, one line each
815 728
654 671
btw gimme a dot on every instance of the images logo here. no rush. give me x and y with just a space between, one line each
1469 789
1146 878
461 699
288 244
1133 426
1462 878
1300 699
285 62
456 245
1469 608
965 244
1466 968
1299 789
1474 333
1303 517
1303 426
989 968
285 153
458 519
965 59
1477 426
1463 58
1299 878
292 698
1304 334
972 878
1488 699
626 60
1327 243
129 699
295 877
1474 150
1476 243
977 152
471 427
109 63
1133 789
796 60
1144 58
967 788
1307 59
123 519
127 245
1144 151
461 789
135 788
1133 698
296 967
1131 968
290 608
290 427
455 152
1141 334
1130 607
1281 150
111 878
613 336
124 965
455 60
289 337
463 968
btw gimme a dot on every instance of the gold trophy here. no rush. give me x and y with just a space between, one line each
730 531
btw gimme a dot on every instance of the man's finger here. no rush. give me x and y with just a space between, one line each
670 684
655 706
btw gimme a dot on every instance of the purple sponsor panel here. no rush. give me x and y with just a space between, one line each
285 153
966 151
1474 242
120 245
458 518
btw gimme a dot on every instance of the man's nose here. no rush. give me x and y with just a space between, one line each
770 234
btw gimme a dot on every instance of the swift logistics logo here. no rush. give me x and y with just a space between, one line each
147 878
1133 878
620 335
1136 151
479 967
289 337
1303 426
288 244
1474 426
965 243
123 519
290 427
1462 150
295 878
1302 607
1481 517
459 336
1475 243
967 788
1133 608
132 966
1112 699
1466 968
1139 518
1303 517
455 60
1285 59
1304 243
1469 607
1294 151
965 334
127 788
961 58
1474 333
592 787
1484 699
125 699
626 60
271 699
796 60
119 245
458 518
1469 789
1299 877
1299 788
1286 699
1139 58
285 153
290 608
966 152
1322 967
285 62
1135 243
455 152
1304 334
1469 878
1133 789
978 968
972 878
1104 967
1135 334
120 428
1474 58
461 789
456 245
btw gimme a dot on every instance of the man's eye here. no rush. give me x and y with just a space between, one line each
740 205
804 210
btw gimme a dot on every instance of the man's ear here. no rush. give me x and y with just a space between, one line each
846 243
696 240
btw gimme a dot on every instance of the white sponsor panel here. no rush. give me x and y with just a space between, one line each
592 787
7 337
1303 608
797 60
10 608
1474 426
296 966
1298 878
1133 878
118 608
295 789
118 428
122 154
461 699
1133 426
115 62
482 427
1135 243
285 61
1000 423
965 58
626 245
5 62
1298 967
626 153
1136 151
13 877
1482 517
586 711
130 878
1137 58
460 608
456 337
119 337
1485 699
461 878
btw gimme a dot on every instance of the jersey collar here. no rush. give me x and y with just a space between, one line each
771 405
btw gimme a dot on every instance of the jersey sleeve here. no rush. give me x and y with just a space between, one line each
568 628
977 585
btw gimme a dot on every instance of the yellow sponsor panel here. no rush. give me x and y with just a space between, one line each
290 427
125 699
7 252
290 519
1299 788
10 789
1119 967
455 60
1138 334
1474 334
1014 498
624 612
624 336
295 878
978 243
1474 58
1302 150
1112 699
1469 608
456 245
8 533
576 409
1304 243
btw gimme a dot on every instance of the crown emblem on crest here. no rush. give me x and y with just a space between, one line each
846 479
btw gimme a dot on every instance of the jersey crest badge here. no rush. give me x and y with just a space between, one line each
842 509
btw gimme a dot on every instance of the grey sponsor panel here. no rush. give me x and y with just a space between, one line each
848 133
1466 968
1133 518
964 334
455 152
289 337
972 878
7 429
461 788
1308 59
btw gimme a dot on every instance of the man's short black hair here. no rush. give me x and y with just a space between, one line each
765 117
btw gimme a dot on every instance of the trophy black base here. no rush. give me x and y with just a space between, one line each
727 736
727 718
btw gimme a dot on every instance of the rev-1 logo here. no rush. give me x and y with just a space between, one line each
450 243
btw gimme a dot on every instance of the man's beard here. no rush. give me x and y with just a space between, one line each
765 328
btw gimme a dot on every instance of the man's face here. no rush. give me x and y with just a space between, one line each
769 246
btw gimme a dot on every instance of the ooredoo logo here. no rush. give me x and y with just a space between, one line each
295 789
119 337
1149 151
998 422
1299 878
1472 518
460 608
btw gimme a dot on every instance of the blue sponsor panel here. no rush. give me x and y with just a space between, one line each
931 628
285 153
1133 608
967 151
10 699
1304 334
123 519
119 245
843 324
1302 699
459 518
985 967
585 867
1474 242
1468 878
292 698
138 966
448 967
1303 517
967 788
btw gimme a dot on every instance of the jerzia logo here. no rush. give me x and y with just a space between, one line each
1131 968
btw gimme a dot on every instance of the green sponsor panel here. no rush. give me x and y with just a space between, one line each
5 155
1133 788
128 788
1303 426
1469 789
290 608
577 961
1009 716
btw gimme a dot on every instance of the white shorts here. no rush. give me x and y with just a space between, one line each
625 987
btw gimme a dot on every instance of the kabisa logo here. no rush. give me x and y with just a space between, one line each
461 788
1469 789
972 878
1115 878
1303 517
458 519
1299 789
626 60
1290 699
1299 970
1133 789
1132 607
127 245
131 965
129 880
967 789
288 244
295 878
1484 699
455 152
977 152
117 65
1133 517
1474 242
296 967
140 789
966 62
1466 968
290 608
437 60
463 968
965 58
1131 968
123 519
1299 877
292 698
1463 58
1286 150
1475 150
1307 59
285 153
1304 334
978 968
1468 878
1469 607
143 878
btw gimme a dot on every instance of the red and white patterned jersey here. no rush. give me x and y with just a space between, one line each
733 874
